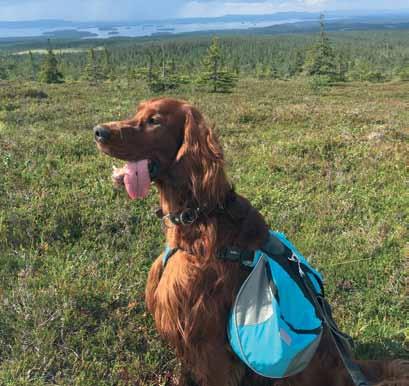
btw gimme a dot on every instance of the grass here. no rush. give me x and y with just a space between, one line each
329 170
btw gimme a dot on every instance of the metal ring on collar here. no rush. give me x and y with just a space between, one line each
188 216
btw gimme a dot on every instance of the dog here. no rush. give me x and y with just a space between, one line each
168 141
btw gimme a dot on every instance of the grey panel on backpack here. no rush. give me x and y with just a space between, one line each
303 358
254 303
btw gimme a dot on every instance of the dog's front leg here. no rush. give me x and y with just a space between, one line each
186 377
216 366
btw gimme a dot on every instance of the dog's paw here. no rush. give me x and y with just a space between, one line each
399 368
397 372
396 382
118 177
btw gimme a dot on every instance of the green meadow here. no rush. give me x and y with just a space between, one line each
330 169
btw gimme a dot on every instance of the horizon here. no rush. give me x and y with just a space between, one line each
358 12
133 10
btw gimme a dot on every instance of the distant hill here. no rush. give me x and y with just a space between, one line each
36 24
281 23
354 24
276 17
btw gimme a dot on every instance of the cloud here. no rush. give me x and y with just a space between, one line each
217 8
88 10
160 9
315 3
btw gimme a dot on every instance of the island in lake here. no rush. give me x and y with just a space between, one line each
70 34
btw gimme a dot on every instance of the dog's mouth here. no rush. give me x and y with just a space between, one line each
136 175
137 178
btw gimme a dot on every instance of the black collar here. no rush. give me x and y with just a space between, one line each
185 217
193 212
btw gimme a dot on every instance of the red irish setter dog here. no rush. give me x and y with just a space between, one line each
191 297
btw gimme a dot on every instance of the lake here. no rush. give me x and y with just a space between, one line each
140 29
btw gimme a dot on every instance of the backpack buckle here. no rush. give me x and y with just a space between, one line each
294 258
230 254
234 254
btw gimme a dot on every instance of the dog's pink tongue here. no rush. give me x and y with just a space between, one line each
137 179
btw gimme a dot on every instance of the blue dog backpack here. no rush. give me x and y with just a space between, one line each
274 326
277 320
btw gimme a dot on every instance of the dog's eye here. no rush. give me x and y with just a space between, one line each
152 121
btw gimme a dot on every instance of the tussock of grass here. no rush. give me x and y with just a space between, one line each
328 170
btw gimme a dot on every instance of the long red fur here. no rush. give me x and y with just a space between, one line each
191 297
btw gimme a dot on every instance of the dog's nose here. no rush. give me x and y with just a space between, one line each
102 134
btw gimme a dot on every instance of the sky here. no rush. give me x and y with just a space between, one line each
91 10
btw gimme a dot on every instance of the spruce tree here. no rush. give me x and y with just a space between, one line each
403 74
107 69
402 69
49 72
236 67
359 70
296 65
321 58
261 71
149 75
274 72
3 70
33 67
92 70
214 76
164 78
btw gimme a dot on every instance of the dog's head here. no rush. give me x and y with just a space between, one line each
167 139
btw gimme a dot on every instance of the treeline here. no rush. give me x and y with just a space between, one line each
365 56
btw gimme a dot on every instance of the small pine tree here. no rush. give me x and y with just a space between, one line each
107 69
403 68
3 70
375 77
342 68
236 67
32 65
296 66
165 78
49 72
359 70
274 72
92 70
261 71
321 58
213 75
149 69
403 74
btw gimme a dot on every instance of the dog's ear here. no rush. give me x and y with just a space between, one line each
198 137
202 157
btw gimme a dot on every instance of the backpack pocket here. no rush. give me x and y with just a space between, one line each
273 327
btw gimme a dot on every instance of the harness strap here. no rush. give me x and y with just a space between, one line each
169 252
342 341
232 254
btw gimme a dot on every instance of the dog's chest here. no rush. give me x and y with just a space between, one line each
194 298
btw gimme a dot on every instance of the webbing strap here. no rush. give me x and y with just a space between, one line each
341 340
169 252
233 254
